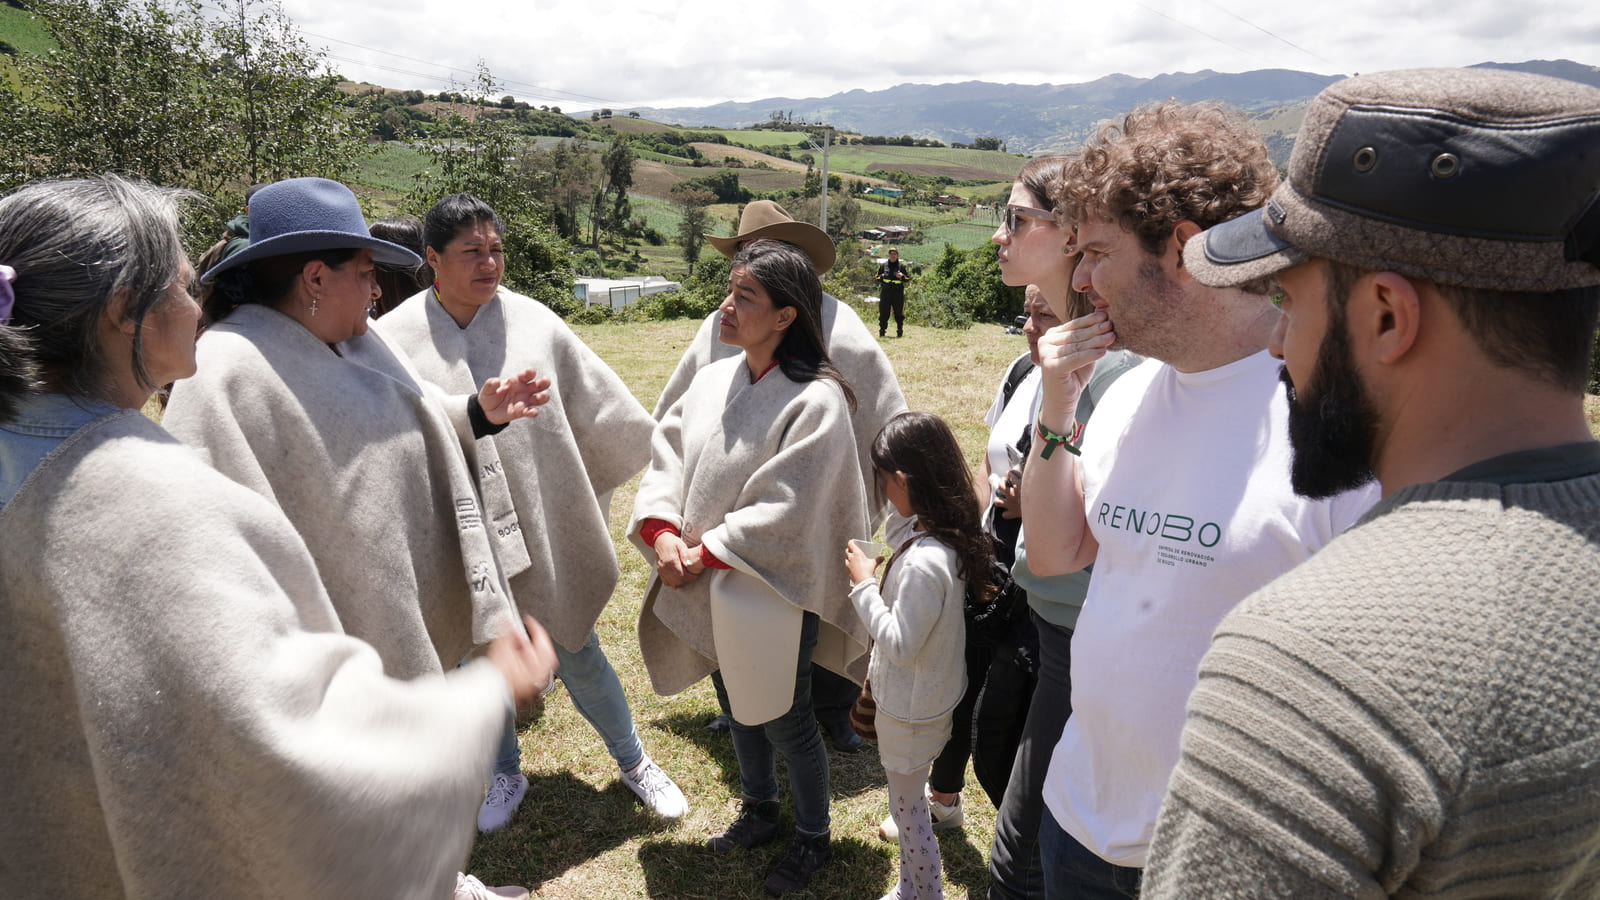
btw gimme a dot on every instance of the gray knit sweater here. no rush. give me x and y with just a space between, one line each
1410 713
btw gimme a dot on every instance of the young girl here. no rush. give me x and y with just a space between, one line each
916 621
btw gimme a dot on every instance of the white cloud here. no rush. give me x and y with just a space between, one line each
621 53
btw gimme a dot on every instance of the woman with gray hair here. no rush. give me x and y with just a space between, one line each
185 715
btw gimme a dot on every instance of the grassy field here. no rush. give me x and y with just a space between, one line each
24 32
758 138
985 165
580 833
385 177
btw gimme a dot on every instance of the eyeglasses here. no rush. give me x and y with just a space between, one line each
1013 213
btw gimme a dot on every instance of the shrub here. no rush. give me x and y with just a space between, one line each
589 263
679 304
935 308
591 315
964 280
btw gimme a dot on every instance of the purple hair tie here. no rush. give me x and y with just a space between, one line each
7 298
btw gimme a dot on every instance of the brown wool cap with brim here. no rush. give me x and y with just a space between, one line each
1476 178
765 219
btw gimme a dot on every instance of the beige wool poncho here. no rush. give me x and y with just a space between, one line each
184 717
367 467
853 351
591 437
752 471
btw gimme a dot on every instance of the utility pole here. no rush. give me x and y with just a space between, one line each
823 205
827 135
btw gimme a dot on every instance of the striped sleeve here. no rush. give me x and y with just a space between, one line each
1301 775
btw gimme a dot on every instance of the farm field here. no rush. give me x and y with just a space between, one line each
977 165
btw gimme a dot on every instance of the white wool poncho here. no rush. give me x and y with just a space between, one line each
853 351
752 471
184 717
590 438
368 468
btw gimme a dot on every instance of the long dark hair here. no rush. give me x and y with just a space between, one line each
921 447
789 280
397 283
75 245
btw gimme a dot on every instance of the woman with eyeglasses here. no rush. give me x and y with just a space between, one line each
1027 690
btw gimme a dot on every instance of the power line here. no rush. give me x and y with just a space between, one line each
1272 35
1206 34
548 92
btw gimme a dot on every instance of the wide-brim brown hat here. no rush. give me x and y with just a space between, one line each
1476 178
765 219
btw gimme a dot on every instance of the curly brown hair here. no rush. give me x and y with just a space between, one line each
1165 163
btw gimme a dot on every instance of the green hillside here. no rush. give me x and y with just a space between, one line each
23 32
960 165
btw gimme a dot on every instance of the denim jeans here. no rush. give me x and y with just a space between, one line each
1014 857
832 696
597 694
793 734
1074 872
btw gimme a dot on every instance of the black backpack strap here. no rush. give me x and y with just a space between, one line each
1019 370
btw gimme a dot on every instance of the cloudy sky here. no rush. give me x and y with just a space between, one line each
580 54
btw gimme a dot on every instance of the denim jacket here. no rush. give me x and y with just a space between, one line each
42 423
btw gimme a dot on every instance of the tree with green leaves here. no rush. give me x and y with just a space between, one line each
563 177
692 205
610 209
159 91
124 91
287 109
480 157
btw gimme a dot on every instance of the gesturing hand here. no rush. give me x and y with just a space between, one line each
526 662
516 396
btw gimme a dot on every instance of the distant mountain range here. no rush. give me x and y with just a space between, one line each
1032 118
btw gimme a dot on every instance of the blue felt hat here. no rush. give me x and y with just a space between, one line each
302 214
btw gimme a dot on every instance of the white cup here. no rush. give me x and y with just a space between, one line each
870 549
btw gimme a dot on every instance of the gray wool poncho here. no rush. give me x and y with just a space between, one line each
184 717
752 471
590 438
366 465
853 350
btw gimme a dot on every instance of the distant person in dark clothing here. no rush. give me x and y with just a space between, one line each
892 275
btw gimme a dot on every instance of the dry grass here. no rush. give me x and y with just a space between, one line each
580 833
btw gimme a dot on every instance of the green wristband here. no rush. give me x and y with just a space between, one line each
1052 440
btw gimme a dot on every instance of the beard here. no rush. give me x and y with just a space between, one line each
1332 430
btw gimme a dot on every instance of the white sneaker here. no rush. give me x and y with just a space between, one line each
944 818
505 795
470 888
658 791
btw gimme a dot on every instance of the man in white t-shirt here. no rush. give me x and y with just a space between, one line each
1181 498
